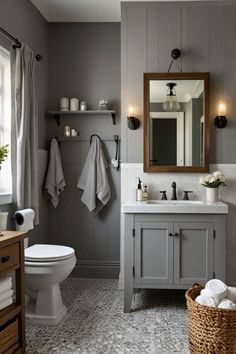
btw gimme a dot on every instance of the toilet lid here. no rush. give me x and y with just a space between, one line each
47 253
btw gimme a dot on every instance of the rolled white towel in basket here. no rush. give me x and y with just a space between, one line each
216 289
204 292
205 300
231 294
227 304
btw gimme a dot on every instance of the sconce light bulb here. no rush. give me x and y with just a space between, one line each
222 108
131 111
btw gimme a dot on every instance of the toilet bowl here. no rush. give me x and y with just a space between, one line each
46 266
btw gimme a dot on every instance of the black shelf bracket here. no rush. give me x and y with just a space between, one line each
58 119
113 115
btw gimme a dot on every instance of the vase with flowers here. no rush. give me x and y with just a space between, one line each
212 182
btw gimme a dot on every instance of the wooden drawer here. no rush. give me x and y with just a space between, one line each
9 257
9 337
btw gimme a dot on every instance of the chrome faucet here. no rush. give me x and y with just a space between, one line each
174 196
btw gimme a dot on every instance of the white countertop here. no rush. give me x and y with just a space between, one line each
175 207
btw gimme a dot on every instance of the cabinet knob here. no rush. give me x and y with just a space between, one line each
170 234
5 259
176 234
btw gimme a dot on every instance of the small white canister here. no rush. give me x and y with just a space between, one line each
74 104
64 104
83 106
3 221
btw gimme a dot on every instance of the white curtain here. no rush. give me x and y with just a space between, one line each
24 131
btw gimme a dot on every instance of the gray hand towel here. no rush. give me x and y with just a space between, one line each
93 179
55 181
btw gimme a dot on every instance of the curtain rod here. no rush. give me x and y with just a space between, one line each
17 44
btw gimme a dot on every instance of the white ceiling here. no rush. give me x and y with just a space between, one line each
185 89
83 10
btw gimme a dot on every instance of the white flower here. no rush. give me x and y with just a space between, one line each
213 181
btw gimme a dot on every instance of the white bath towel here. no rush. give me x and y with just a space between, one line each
205 300
216 288
231 294
93 179
6 302
6 294
5 284
227 304
204 292
55 180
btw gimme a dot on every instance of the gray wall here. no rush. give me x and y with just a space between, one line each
206 35
21 19
85 63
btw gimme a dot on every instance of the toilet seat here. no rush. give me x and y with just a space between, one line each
48 253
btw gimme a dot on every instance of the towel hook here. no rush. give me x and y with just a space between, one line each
91 137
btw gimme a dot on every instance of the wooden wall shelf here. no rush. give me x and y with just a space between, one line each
58 114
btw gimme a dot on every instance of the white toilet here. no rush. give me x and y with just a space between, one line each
46 266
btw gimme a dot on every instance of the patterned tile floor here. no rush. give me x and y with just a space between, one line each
96 324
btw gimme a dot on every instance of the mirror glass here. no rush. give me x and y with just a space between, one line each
175 122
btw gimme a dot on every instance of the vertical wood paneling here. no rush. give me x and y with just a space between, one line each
169 19
198 48
136 66
229 82
216 82
152 40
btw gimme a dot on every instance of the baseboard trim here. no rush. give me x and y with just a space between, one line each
96 269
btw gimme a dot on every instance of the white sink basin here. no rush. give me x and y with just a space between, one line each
175 207
174 202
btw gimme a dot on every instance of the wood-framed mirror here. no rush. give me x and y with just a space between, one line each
176 122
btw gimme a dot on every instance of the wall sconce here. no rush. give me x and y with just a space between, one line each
133 122
221 120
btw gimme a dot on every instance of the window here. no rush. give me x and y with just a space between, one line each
5 125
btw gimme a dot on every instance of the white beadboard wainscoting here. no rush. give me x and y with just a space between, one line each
184 181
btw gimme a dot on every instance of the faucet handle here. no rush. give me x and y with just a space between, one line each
186 195
163 197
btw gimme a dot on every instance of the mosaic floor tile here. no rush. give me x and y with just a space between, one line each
95 322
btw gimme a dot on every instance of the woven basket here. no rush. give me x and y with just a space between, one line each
9 338
211 330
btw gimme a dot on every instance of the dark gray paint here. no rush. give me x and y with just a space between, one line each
205 32
22 20
85 63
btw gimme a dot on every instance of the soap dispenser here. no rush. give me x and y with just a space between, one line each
145 192
139 191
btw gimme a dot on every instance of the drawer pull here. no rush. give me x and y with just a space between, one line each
6 259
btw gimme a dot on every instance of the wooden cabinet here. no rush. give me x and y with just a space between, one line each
172 251
12 318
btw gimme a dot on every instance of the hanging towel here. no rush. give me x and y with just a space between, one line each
55 181
6 303
93 179
5 284
5 295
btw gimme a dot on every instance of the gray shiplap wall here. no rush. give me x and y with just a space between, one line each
85 63
206 35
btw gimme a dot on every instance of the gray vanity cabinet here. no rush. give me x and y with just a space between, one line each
172 251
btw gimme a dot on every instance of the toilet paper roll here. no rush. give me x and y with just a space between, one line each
24 219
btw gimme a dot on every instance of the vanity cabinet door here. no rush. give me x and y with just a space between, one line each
153 245
193 252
